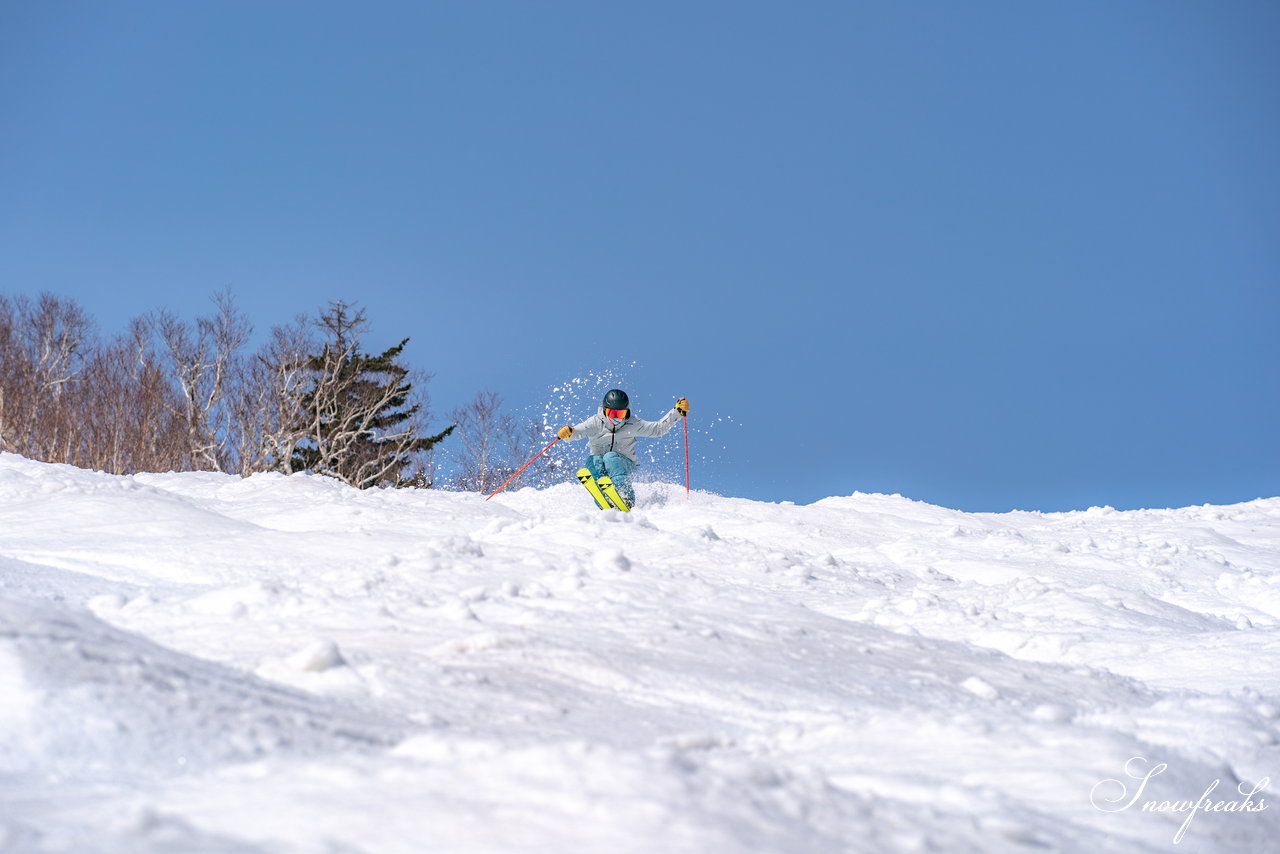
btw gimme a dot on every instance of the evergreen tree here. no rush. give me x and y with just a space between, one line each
360 419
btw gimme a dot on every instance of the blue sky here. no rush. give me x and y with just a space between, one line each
990 255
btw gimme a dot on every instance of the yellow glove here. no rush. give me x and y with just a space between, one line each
565 432
682 406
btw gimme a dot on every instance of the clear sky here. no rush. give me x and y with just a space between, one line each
990 255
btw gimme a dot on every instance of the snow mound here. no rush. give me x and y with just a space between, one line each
84 700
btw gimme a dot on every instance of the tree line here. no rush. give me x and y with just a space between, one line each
169 395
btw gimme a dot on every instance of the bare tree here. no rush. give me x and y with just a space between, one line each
494 444
524 442
131 411
363 420
57 332
266 399
484 433
204 361
12 375
43 346
66 398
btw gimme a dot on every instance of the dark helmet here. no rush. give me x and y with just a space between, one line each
616 399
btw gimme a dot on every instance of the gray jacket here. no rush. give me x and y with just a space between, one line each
603 435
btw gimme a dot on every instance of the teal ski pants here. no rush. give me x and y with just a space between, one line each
619 469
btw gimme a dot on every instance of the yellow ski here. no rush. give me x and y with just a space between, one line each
611 492
585 478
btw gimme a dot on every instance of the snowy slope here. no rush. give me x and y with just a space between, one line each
200 663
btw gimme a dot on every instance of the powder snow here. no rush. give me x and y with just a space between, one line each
203 663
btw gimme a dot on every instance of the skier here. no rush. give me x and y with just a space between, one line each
611 435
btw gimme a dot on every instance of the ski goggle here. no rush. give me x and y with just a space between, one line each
616 414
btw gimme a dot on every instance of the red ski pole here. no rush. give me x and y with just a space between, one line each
686 456
525 466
